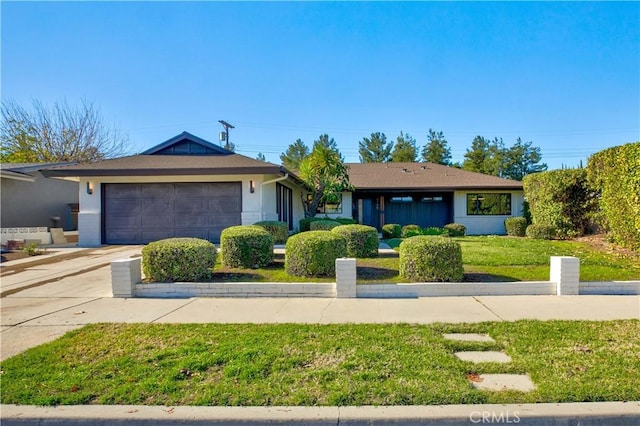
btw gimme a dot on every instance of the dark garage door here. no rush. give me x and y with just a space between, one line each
145 212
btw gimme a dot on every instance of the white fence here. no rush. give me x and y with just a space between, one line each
126 280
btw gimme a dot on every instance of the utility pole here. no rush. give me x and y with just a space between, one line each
226 126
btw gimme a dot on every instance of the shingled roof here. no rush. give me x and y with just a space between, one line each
422 176
154 165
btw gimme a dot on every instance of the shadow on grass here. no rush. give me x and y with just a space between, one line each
372 273
487 278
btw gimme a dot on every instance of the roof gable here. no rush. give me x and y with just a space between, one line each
186 144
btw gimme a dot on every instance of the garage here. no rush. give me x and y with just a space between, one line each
138 213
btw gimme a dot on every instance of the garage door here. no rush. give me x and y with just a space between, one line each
145 212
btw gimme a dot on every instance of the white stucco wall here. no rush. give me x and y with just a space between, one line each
256 206
479 225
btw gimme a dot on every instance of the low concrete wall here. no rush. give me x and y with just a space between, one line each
33 233
610 287
457 289
236 290
126 282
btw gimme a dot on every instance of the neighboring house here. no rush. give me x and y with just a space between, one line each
185 186
31 200
428 194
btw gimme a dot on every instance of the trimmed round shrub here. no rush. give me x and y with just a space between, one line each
456 229
324 225
431 259
362 240
410 231
305 224
314 254
179 259
278 230
540 232
346 221
434 230
246 247
391 230
516 226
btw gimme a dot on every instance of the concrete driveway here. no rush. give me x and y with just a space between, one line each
42 301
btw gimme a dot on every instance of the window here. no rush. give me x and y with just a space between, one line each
489 204
401 199
329 206
431 199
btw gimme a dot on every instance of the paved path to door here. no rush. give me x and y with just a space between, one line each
47 300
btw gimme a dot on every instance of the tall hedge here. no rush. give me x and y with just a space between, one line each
562 200
615 174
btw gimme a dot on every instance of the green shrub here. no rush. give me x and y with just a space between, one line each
346 221
278 230
434 230
561 199
410 231
540 232
324 225
615 175
305 224
246 247
362 240
429 259
391 230
456 229
516 226
179 259
314 253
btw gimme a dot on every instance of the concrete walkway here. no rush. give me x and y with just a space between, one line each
41 302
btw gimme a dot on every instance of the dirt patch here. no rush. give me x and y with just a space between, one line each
599 242
15 255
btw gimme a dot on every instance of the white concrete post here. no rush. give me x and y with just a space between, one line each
565 272
345 278
125 274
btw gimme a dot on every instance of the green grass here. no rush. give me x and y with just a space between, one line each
523 259
485 258
308 365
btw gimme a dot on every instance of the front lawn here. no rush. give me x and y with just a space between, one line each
309 365
485 258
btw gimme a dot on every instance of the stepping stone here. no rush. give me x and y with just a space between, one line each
502 382
469 337
483 356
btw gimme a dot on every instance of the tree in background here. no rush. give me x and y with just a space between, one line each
522 159
375 149
324 172
492 157
261 157
294 154
56 134
437 149
405 150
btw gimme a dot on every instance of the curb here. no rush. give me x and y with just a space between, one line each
591 413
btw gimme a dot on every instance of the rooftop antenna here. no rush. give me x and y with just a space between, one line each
224 136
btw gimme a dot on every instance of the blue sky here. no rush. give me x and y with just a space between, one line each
565 76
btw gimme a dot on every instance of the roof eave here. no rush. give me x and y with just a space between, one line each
164 172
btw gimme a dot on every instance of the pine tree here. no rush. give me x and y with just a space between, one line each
375 149
436 150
